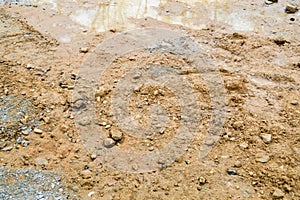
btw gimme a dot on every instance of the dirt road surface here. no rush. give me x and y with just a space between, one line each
150 99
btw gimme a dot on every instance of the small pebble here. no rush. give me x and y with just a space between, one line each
93 156
238 125
278 194
84 50
91 193
151 148
244 145
238 164
109 142
202 180
294 102
266 138
9 148
40 161
37 131
116 135
269 2
3 144
19 140
263 159
25 143
162 130
290 8
86 174
231 172
26 132
287 188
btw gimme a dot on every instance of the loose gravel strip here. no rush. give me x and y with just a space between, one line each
30 184
16 2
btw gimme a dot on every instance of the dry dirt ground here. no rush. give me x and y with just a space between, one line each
256 157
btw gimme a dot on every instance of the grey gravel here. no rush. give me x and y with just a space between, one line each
25 143
17 2
23 184
17 118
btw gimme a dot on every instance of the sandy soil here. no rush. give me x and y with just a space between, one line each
256 157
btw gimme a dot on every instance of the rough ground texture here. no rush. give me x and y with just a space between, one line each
30 184
43 157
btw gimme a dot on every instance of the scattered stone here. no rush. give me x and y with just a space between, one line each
263 159
269 2
109 142
278 194
86 174
9 148
29 66
91 194
202 180
291 8
231 172
86 167
294 102
151 148
116 134
37 131
26 132
267 138
25 143
40 161
238 164
3 144
19 140
103 124
84 50
238 125
287 188
244 145
93 156
162 130
32 184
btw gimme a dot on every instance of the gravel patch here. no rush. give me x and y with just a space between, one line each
30 184
16 2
